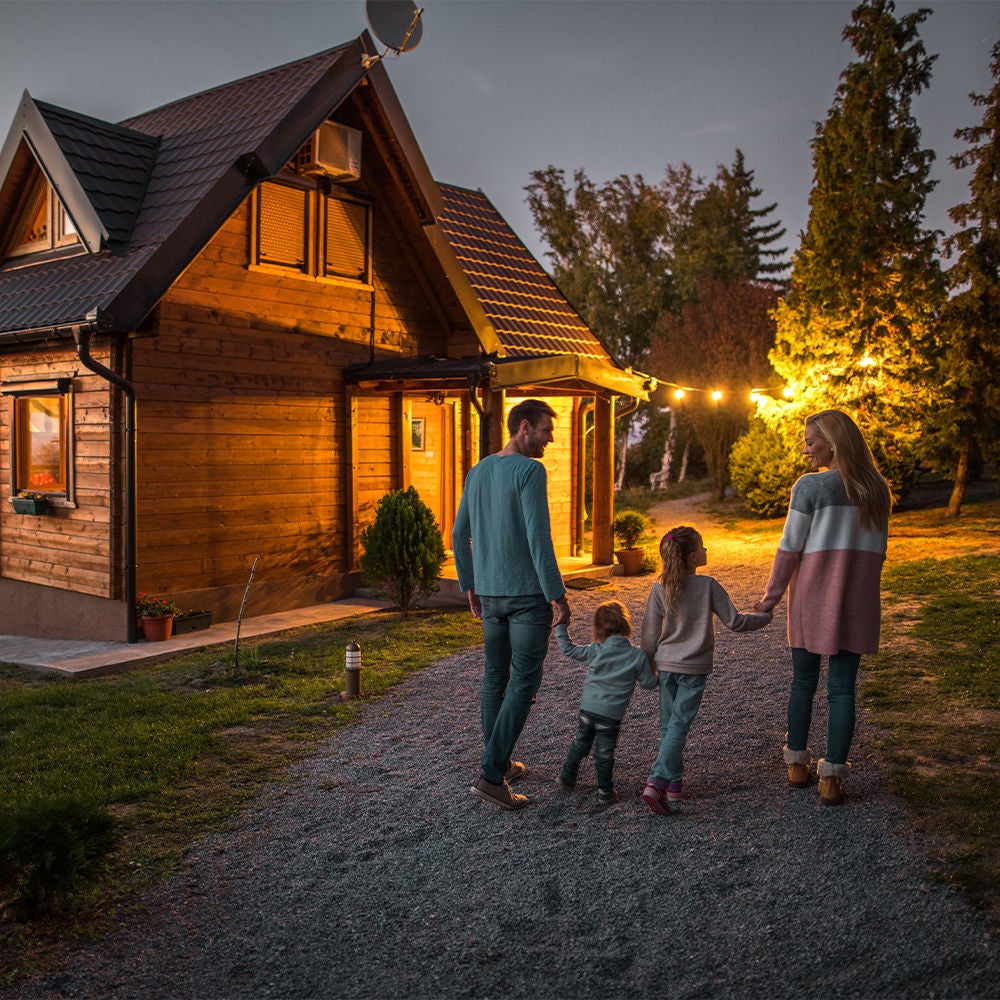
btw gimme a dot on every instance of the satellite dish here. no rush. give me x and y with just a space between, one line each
395 23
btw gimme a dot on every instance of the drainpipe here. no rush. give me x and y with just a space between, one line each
82 336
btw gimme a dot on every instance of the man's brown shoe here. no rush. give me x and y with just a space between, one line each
515 771
500 795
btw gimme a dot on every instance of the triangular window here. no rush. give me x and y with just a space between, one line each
41 224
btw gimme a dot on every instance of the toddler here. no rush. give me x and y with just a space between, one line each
678 634
615 665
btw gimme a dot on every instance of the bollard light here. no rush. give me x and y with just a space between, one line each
352 670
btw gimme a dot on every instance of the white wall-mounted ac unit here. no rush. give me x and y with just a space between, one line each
334 151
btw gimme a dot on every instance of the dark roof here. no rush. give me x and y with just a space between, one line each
111 163
210 150
532 318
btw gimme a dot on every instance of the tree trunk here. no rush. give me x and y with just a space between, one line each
661 480
961 480
684 461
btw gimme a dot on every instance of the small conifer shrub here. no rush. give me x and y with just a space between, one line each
403 552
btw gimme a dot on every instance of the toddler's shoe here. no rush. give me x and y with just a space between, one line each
674 789
515 771
605 798
656 798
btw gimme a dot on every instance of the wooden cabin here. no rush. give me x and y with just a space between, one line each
230 325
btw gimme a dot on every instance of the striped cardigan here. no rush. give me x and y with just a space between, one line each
831 567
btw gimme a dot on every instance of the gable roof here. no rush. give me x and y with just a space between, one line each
150 192
203 153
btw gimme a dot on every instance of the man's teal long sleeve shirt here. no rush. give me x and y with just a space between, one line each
505 507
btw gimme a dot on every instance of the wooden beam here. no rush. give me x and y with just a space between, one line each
604 480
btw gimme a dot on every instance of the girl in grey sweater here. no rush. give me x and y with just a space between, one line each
678 634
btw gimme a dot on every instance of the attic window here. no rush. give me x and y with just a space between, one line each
301 228
40 223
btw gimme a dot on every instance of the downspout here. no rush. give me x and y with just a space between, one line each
82 335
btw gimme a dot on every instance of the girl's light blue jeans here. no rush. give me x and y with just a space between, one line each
516 636
680 698
841 678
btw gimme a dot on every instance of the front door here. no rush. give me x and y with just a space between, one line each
433 433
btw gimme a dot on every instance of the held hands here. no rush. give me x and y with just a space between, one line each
562 612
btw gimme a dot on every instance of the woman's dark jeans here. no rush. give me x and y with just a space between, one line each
841 678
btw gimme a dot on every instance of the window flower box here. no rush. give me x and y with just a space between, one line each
27 502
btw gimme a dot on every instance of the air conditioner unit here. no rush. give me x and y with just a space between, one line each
334 151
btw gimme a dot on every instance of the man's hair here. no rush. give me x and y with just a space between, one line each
611 618
531 410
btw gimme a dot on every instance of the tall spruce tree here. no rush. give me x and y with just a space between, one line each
727 238
965 422
856 329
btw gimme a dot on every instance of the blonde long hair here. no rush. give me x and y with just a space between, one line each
863 483
675 547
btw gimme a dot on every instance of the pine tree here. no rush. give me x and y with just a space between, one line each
856 330
727 239
966 420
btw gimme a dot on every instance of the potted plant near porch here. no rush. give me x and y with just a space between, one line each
156 617
629 526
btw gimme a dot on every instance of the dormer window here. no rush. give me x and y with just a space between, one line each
41 223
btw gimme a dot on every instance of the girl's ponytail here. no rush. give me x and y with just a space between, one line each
675 547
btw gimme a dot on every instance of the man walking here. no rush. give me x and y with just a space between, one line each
505 560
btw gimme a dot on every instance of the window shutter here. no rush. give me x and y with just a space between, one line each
282 231
346 239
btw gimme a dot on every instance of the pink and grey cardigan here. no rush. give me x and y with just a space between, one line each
831 567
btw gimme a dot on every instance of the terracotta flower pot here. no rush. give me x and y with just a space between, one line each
157 629
631 560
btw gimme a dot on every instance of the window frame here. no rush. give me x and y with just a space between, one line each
21 392
317 201
60 230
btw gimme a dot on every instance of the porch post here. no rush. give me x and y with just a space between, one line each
493 434
604 480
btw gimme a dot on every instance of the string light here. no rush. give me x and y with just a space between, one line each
757 395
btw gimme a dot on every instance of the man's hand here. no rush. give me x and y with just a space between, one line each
475 605
562 611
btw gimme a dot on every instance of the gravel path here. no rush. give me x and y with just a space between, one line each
373 872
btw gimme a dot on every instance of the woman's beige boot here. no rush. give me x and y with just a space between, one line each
799 764
831 789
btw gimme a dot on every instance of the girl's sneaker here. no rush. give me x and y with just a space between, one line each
674 789
656 798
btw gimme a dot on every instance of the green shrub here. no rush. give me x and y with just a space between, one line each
403 552
50 848
629 526
764 466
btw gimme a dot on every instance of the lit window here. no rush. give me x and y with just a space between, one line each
42 435
41 224
41 443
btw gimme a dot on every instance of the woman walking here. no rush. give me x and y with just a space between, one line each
830 560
